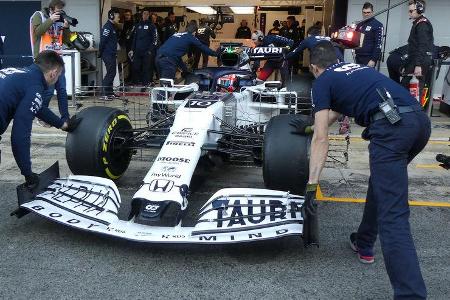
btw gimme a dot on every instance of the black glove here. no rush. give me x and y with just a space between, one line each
32 181
302 127
310 216
73 123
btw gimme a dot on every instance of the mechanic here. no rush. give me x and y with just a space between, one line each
170 27
204 33
143 50
276 28
271 64
398 57
313 39
420 46
21 99
370 52
363 93
126 40
293 33
243 32
168 58
49 32
108 53
302 30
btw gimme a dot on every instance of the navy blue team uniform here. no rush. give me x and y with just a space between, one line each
350 89
144 46
373 38
108 53
168 58
21 99
309 43
272 64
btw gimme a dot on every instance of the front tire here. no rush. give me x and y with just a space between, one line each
285 156
96 147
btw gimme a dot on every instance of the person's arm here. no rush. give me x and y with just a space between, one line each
319 146
61 93
103 39
205 49
39 27
49 117
425 42
302 46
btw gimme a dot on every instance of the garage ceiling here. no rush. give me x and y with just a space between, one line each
225 2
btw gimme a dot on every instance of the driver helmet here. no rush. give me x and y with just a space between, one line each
257 35
229 82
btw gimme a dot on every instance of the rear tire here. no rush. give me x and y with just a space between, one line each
285 156
95 147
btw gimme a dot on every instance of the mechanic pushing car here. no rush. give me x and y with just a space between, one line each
398 130
169 54
21 99
272 41
313 39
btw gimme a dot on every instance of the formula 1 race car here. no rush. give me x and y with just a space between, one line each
221 112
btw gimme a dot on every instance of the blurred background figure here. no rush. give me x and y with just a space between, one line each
204 34
243 32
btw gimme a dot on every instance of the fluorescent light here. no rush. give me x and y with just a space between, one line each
243 10
204 10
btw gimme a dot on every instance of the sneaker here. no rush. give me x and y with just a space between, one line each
365 259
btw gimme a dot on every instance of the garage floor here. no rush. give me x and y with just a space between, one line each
43 259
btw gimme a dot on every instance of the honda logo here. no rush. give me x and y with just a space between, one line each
161 185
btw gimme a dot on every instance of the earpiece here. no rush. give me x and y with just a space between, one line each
420 7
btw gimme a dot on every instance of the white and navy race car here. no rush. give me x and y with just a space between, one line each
223 112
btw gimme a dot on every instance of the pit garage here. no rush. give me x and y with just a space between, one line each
236 149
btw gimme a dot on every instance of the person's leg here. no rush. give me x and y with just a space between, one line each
146 59
151 69
388 152
205 60
167 68
368 229
108 80
137 67
362 60
197 54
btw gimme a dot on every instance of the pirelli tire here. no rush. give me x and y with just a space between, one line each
96 147
285 156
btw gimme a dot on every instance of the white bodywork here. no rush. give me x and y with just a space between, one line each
230 215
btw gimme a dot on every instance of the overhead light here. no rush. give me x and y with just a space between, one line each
243 10
204 10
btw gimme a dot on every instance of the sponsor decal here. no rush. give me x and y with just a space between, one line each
36 104
169 169
87 224
273 211
185 133
166 175
199 104
180 143
151 208
212 238
173 159
266 50
161 185
349 68
173 236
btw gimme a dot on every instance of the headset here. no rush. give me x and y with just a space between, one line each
257 35
111 14
420 7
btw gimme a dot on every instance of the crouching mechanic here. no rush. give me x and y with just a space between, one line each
272 64
398 130
169 55
21 99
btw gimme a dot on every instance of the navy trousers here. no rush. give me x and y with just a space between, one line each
108 80
143 68
362 60
167 67
61 94
386 211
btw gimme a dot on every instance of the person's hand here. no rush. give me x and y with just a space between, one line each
418 71
371 64
130 54
66 24
302 127
55 17
32 181
71 124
